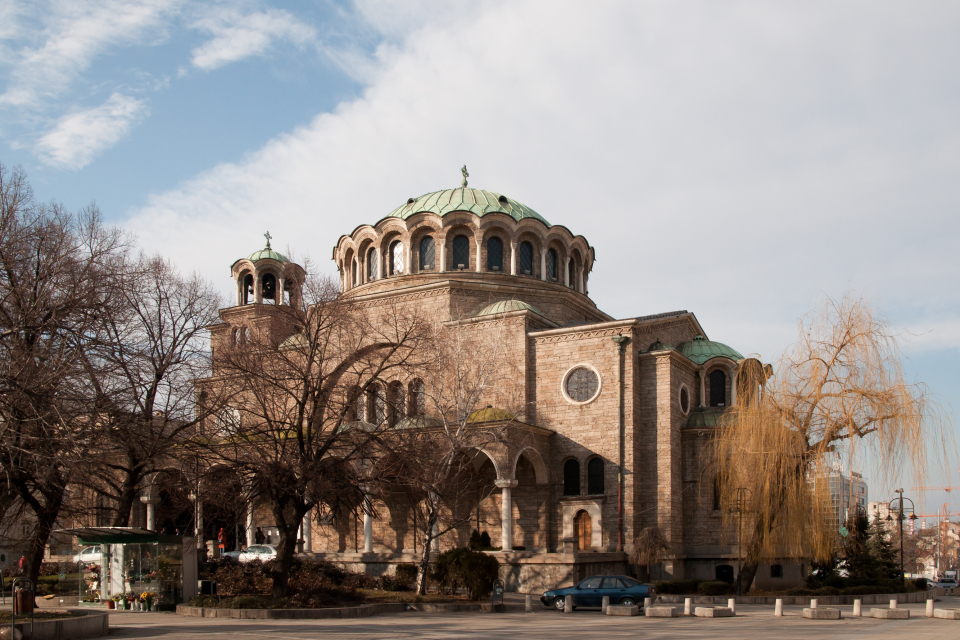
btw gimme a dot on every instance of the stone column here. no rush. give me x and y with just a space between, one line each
733 388
251 525
151 516
506 513
442 264
408 256
543 263
367 524
258 288
308 532
513 258
479 247
703 389
376 252
566 271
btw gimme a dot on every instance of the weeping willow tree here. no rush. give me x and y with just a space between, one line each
837 395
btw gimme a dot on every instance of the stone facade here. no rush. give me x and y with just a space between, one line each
624 454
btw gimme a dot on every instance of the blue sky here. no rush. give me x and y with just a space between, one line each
734 159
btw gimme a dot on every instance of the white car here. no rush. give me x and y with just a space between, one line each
263 552
946 583
89 554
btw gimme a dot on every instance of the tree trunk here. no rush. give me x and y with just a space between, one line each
128 496
425 554
286 548
747 573
46 517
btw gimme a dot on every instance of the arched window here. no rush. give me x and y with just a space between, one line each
353 273
718 388
372 265
494 254
376 413
417 399
396 258
236 336
427 252
246 335
571 478
395 402
525 259
572 274
595 476
552 265
354 404
248 289
461 252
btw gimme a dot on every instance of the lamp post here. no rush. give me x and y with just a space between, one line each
899 500
741 494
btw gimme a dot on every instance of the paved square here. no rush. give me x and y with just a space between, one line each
751 622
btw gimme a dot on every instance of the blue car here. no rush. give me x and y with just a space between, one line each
589 593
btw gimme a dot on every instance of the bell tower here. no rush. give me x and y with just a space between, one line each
268 290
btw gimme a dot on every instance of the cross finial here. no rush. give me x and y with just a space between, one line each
267 236
466 175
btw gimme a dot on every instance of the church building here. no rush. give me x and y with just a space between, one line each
618 412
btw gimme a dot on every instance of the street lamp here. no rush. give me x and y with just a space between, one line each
899 500
741 495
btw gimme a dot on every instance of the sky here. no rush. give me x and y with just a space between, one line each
739 160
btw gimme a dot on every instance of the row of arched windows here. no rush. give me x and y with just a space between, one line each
395 261
387 407
572 480
269 290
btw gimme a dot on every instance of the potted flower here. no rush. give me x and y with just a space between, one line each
148 597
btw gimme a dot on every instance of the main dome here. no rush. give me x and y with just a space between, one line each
476 201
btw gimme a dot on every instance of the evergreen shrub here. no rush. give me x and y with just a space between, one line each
713 588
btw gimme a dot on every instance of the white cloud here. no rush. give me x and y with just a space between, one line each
78 137
73 33
237 36
735 160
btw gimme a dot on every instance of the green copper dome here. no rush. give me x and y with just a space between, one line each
699 350
476 201
505 306
264 254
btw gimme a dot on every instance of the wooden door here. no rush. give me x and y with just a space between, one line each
584 529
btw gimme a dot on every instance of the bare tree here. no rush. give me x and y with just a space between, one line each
295 437
649 547
837 393
151 346
56 272
467 368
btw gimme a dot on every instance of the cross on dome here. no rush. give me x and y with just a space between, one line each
267 236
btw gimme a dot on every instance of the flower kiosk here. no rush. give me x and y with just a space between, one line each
136 569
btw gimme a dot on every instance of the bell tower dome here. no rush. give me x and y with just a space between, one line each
267 277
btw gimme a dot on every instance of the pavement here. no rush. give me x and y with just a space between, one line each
752 621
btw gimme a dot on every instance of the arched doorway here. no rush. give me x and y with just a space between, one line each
584 528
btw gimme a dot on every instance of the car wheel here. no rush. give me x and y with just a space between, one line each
559 603
628 602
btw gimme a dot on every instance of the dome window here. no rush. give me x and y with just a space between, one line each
552 265
502 200
427 253
525 263
494 254
461 252
411 200
372 265
396 258
718 389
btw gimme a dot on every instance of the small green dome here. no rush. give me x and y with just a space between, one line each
476 201
491 414
661 346
505 306
267 254
699 350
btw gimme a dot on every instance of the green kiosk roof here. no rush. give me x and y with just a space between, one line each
120 535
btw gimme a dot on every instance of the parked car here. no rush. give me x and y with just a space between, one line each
589 593
945 583
232 554
261 552
89 554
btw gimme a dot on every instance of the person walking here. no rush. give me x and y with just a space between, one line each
222 540
258 537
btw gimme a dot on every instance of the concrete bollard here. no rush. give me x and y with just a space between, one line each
604 604
732 605
688 606
528 603
647 602
893 603
856 607
813 603
929 608
568 604
778 608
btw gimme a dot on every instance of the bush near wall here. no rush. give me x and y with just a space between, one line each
713 588
677 587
